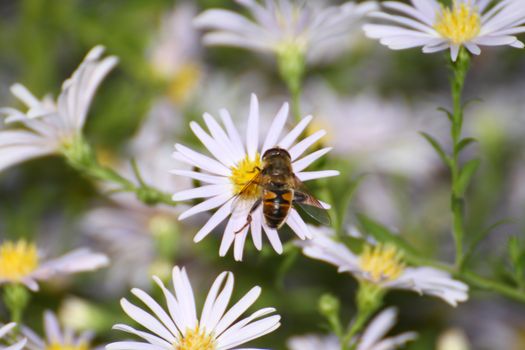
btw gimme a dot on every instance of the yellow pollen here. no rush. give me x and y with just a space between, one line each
459 24
382 263
184 83
17 260
196 340
245 171
67 346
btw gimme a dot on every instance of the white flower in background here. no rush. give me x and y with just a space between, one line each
309 28
6 329
49 127
56 338
234 166
383 134
21 263
373 337
383 265
435 27
180 329
175 54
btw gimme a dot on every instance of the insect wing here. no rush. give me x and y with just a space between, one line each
309 204
238 204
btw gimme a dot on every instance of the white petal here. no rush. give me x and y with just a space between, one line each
208 204
303 163
52 328
273 237
276 128
184 294
312 175
252 132
201 192
302 146
238 309
290 138
157 310
146 320
217 217
133 345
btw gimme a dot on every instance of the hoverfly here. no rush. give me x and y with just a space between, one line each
280 190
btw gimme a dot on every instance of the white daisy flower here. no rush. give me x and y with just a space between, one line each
179 328
373 337
20 262
57 338
51 127
310 28
383 266
234 166
6 329
435 27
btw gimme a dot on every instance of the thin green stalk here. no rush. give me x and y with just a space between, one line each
291 66
16 298
359 323
460 69
369 299
296 103
82 158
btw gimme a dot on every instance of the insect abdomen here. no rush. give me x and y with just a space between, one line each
276 206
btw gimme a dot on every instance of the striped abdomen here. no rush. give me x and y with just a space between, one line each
276 206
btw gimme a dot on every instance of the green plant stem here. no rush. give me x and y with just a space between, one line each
296 103
360 321
369 299
82 158
460 69
16 298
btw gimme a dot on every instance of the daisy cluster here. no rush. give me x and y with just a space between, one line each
234 176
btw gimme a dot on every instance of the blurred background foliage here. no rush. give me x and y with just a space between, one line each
41 43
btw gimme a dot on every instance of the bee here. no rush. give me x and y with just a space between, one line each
281 189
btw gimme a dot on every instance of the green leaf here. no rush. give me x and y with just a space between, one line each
464 143
437 147
382 234
480 236
517 258
465 176
447 113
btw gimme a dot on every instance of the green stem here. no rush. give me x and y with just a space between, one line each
369 299
81 157
16 299
460 69
291 66
359 323
296 103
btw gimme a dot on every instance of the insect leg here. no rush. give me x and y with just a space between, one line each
249 217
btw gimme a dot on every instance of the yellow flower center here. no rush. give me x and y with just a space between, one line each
459 24
243 174
196 340
382 263
184 82
17 260
67 346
